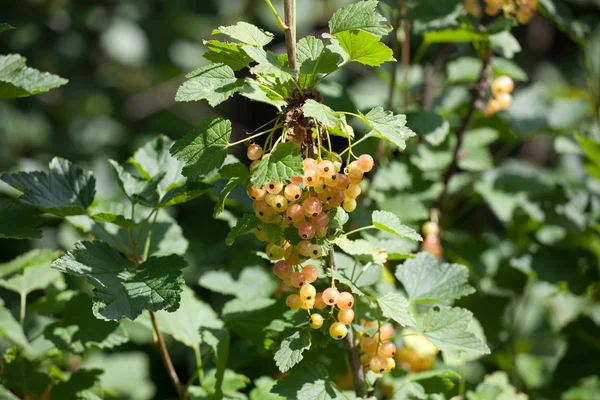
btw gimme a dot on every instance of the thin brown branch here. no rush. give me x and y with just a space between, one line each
478 93
351 348
290 34
164 353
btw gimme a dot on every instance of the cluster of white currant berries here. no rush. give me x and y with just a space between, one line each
432 242
304 203
502 88
417 354
378 350
523 10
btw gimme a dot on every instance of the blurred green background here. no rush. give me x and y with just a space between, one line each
125 60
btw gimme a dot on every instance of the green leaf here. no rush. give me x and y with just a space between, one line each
562 15
230 54
386 221
253 282
427 280
427 15
364 48
588 388
243 225
120 289
116 219
232 384
190 190
79 330
66 190
12 330
464 69
5 27
262 389
506 43
185 323
321 113
314 58
429 125
246 33
496 386
225 381
24 377
6 394
502 66
395 306
248 317
308 381
590 148
284 162
238 175
256 90
458 35
153 159
273 231
30 271
82 384
290 351
361 15
18 80
214 83
446 328
138 190
19 221
354 247
268 64
203 149
475 155
388 126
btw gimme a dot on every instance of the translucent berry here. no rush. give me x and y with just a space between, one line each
353 191
338 331
319 303
274 187
504 100
307 304
353 165
493 106
311 178
309 163
283 269
262 210
254 152
294 213
386 331
337 199
320 186
431 228
345 301
303 248
312 206
296 180
325 168
368 345
391 364
315 321
365 163
387 349
293 301
349 205
378 364
330 296
280 203
432 244
365 360
321 220
256 193
331 180
274 252
355 175
308 291
292 192
343 182
253 164
311 272
306 231
502 84
315 251
298 279
346 316
261 235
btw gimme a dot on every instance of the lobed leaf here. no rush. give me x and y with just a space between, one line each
246 33
308 381
19 221
388 126
238 175
138 190
291 348
361 15
18 80
65 190
321 113
245 224
395 306
203 149
230 54
386 221
268 64
120 289
30 271
364 48
284 162
214 83
253 282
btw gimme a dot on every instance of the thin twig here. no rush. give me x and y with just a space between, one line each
166 357
478 93
355 364
290 34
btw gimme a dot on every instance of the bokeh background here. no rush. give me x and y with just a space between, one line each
125 60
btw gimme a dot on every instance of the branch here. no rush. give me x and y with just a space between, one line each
478 93
166 358
351 349
290 33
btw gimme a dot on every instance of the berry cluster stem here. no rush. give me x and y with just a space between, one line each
351 349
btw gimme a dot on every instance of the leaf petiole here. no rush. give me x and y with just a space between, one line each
360 229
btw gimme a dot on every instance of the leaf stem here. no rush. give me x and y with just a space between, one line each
22 309
289 7
119 244
252 137
199 364
364 228
162 347
354 144
149 238
281 24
